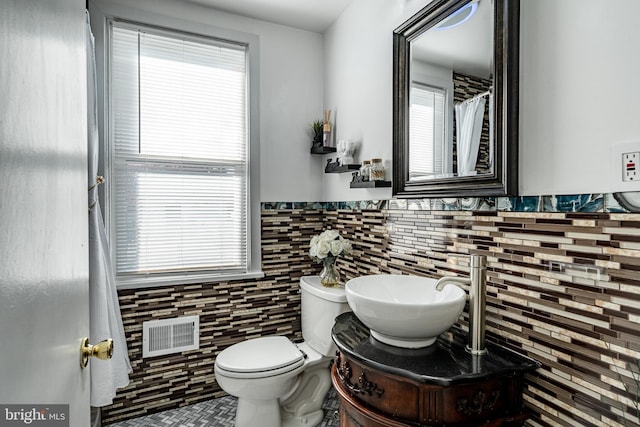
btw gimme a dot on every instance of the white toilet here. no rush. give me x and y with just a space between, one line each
279 383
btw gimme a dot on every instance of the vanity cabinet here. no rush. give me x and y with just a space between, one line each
381 385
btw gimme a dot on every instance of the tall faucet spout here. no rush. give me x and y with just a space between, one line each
453 280
477 282
477 305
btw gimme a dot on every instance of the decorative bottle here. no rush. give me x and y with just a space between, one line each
377 170
364 170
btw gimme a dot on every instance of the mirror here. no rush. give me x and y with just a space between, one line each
455 93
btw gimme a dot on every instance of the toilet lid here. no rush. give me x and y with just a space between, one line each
259 355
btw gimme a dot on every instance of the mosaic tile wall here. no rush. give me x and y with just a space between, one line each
229 312
563 288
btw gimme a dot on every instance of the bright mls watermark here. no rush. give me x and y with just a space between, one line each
34 415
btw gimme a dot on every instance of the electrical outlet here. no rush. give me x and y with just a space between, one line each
625 166
630 166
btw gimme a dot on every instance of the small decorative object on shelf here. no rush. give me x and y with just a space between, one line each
327 140
346 150
376 172
326 248
315 131
364 170
358 177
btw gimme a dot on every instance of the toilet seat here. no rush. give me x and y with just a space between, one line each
260 358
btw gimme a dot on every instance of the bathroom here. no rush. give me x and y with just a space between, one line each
578 86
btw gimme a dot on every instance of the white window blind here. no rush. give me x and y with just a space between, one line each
179 141
426 130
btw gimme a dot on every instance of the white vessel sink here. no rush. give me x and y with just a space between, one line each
404 311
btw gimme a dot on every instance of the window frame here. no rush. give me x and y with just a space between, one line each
159 23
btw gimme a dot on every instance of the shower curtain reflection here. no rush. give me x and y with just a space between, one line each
469 117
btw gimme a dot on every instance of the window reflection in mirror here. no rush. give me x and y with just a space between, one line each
430 142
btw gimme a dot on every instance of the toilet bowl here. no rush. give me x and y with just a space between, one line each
279 383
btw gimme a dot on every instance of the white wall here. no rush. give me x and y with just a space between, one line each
290 93
358 85
579 83
579 89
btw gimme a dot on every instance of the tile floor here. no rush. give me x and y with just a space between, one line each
218 413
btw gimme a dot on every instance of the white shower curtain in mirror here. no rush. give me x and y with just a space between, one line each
469 117
491 163
106 322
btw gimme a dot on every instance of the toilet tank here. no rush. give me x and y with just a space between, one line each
319 308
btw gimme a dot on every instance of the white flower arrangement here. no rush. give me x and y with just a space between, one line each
329 244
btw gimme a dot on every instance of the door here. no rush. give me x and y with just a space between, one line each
43 207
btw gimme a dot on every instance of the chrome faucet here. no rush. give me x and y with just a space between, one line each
477 282
452 280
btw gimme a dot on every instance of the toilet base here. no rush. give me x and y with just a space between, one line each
309 420
303 408
254 412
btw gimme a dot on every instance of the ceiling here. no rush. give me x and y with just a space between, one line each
311 15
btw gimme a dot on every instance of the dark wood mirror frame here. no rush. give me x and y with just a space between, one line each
504 179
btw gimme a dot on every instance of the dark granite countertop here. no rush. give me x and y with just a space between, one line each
445 363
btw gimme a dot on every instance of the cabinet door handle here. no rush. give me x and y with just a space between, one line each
363 386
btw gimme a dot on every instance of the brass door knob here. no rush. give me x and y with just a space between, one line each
103 350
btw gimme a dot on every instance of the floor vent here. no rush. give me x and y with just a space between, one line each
168 336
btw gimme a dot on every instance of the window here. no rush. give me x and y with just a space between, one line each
179 137
427 131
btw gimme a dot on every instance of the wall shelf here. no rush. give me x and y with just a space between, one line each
371 184
323 150
336 168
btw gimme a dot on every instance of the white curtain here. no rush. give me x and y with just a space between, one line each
106 321
491 133
469 117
